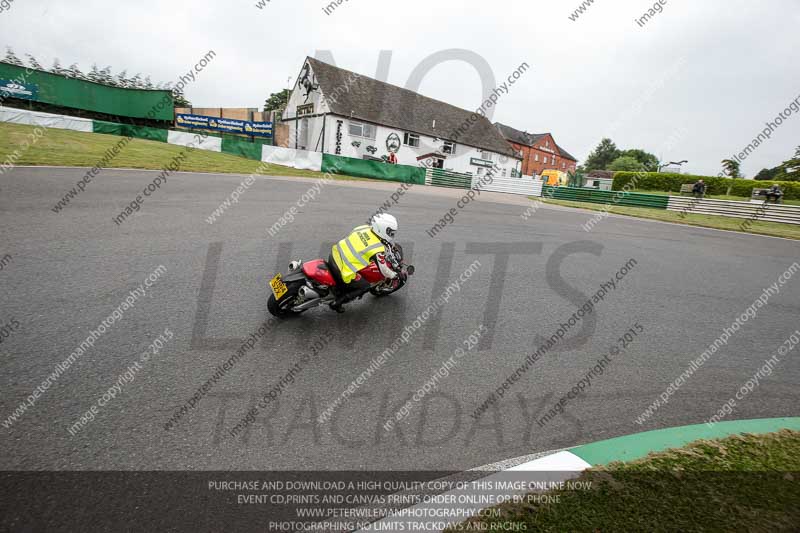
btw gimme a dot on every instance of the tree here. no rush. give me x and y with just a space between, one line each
57 68
179 98
106 78
94 74
731 168
12 58
277 101
74 72
791 168
135 82
33 63
121 79
602 156
649 161
626 163
767 174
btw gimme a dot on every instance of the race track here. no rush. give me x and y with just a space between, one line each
68 271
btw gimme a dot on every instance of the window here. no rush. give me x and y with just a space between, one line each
547 144
449 148
411 139
359 129
537 157
486 155
479 172
563 165
503 173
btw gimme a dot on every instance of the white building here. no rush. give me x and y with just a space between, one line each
335 111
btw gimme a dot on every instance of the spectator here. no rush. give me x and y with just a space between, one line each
699 189
774 192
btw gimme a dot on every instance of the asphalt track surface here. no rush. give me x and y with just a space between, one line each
70 270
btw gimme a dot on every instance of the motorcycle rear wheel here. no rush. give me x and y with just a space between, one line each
283 308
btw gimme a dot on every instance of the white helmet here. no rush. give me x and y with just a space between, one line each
385 226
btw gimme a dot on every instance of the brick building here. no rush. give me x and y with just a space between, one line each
539 151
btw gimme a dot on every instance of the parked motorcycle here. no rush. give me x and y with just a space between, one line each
310 284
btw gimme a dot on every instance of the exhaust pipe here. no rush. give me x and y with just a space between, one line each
294 265
312 299
307 293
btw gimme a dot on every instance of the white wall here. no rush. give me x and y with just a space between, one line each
407 155
309 127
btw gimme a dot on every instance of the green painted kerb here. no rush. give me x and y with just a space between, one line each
632 447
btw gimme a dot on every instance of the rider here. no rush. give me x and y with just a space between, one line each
364 245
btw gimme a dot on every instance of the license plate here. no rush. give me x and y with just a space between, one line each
278 287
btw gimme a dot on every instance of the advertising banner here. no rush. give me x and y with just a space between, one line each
225 125
13 89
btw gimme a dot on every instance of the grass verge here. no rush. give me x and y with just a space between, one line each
77 149
740 483
775 229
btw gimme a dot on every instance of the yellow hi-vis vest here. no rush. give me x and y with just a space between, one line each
354 252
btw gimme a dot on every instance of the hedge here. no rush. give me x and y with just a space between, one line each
652 181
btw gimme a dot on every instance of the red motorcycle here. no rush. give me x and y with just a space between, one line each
310 284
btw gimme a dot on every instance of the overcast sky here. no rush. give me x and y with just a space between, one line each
709 73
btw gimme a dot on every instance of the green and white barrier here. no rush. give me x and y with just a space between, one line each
594 196
289 157
379 170
129 130
47 120
195 140
211 142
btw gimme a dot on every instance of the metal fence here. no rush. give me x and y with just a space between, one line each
788 214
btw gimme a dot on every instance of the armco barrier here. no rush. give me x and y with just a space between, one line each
522 185
362 168
631 199
787 214
446 178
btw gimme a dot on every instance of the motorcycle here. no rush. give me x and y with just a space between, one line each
310 284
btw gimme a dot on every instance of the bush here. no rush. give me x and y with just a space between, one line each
652 181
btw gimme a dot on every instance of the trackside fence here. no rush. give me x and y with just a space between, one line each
632 199
447 178
787 214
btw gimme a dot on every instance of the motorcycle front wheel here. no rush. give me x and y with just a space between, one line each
380 292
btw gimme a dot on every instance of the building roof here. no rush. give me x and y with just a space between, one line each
381 103
565 154
519 137
528 139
